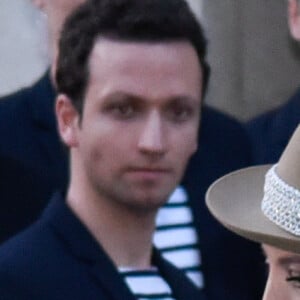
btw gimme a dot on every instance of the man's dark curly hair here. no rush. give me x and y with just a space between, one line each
132 20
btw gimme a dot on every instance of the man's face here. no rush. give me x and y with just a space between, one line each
284 275
140 120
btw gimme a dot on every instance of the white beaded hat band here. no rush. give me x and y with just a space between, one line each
281 203
262 203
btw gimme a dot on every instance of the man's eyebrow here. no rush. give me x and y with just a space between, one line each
285 259
187 99
120 95
288 260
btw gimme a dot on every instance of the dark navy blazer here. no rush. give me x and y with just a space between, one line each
28 131
22 192
57 258
271 131
232 266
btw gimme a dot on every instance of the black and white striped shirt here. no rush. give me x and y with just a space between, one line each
176 236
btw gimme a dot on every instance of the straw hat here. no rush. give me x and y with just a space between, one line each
262 203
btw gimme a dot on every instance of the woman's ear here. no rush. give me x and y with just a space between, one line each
67 120
294 19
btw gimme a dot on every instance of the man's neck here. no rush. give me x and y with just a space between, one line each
125 235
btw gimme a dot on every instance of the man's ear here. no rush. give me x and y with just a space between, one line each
67 120
294 19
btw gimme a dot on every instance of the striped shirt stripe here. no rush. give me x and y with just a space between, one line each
147 284
175 236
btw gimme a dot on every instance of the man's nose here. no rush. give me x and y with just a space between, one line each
267 294
152 138
272 291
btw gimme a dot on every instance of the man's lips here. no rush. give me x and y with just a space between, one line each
149 169
149 172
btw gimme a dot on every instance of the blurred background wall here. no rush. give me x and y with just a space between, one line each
23 45
254 65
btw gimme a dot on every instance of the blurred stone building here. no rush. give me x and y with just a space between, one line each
254 63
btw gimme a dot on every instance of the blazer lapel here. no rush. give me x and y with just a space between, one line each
107 275
182 288
87 251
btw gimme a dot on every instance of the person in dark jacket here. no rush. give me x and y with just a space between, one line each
20 192
270 132
130 134
28 125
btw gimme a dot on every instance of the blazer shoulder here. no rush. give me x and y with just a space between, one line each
224 139
16 105
279 117
17 101
215 121
34 257
22 249
270 132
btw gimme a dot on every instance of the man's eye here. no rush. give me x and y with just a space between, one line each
123 110
180 113
294 279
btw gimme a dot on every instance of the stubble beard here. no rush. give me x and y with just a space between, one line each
137 200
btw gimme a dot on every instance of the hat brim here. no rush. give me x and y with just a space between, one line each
235 201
